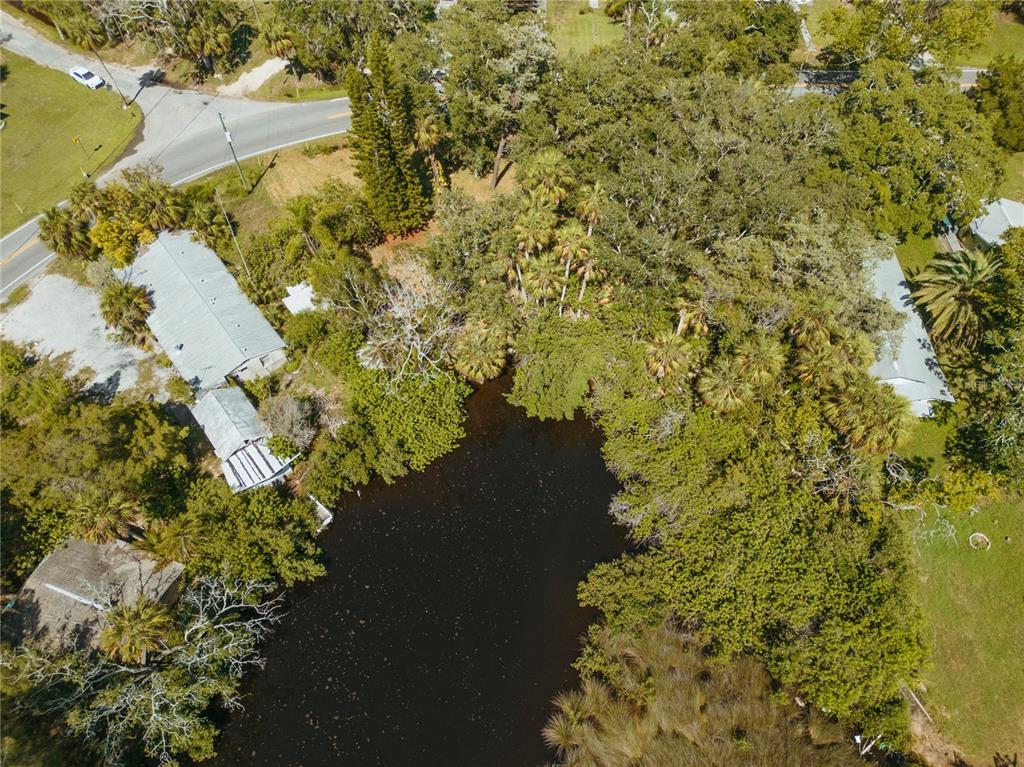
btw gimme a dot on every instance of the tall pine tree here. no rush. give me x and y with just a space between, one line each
382 143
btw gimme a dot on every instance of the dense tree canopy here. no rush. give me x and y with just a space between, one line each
905 30
914 150
328 37
999 94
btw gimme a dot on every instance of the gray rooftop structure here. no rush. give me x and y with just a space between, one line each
238 436
999 216
63 602
908 363
200 318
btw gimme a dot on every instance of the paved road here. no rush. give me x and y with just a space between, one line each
180 130
832 80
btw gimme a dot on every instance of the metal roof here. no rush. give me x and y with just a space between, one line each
908 364
252 466
229 420
63 600
998 217
200 317
237 434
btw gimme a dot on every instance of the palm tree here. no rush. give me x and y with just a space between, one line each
84 198
162 204
762 358
66 233
84 30
428 135
278 40
725 387
691 317
479 351
811 331
132 631
207 220
668 354
543 278
590 208
953 290
548 173
832 366
173 540
102 518
587 266
125 307
573 243
871 415
208 38
534 230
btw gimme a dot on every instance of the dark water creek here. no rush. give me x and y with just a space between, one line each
448 616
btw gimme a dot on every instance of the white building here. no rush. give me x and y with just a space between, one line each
908 364
999 216
200 318
238 436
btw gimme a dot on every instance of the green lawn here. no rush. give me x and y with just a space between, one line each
44 110
286 87
1007 38
576 28
974 609
926 445
915 252
1013 184
814 11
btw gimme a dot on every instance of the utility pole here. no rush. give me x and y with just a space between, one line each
256 11
227 137
110 78
216 193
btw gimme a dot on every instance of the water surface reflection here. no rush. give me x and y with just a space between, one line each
448 616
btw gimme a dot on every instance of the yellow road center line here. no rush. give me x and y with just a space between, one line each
20 250
340 114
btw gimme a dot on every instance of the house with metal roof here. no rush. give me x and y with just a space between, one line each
238 436
64 600
200 317
999 216
907 361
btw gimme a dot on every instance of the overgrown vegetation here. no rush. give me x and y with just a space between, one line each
686 257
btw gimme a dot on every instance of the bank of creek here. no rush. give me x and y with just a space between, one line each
448 618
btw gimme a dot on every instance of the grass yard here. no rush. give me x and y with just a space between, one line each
813 12
292 173
974 608
1007 38
577 28
1013 184
284 86
43 110
926 445
916 252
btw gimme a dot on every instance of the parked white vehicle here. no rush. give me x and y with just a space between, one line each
86 78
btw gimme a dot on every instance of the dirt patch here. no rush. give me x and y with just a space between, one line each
934 748
295 173
397 259
479 188
252 79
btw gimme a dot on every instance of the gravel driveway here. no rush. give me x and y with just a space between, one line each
60 317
